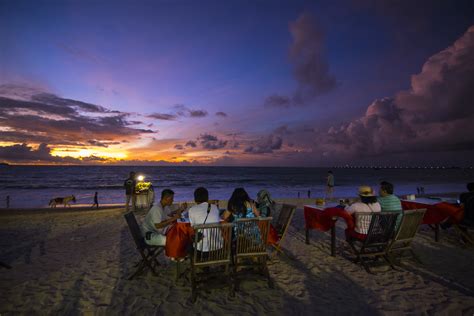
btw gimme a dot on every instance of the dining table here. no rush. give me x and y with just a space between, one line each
179 238
323 217
438 210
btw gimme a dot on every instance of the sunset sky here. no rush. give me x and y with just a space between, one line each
261 83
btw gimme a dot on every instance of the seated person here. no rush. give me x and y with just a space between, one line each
153 227
265 204
240 206
368 204
388 201
467 201
204 213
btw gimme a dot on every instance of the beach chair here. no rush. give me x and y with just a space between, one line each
281 226
218 239
147 252
467 223
405 234
374 244
251 237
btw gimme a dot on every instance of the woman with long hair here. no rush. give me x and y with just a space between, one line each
240 206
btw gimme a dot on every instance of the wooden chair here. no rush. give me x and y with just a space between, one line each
467 222
251 237
217 240
147 252
379 235
281 226
406 232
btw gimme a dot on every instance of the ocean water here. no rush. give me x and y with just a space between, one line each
34 186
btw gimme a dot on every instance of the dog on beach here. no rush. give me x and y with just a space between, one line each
66 201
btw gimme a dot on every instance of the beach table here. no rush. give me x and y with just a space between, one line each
437 211
179 237
324 218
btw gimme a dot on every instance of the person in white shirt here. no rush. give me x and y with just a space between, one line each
368 204
159 217
204 213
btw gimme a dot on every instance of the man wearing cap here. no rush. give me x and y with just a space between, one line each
368 204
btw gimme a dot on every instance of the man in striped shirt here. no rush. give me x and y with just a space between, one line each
388 201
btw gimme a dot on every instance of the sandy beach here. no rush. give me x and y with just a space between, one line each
76 262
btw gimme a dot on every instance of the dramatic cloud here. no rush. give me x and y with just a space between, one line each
221 114
434 115
25 153
30 116
211 142
265 145
179 147
311 70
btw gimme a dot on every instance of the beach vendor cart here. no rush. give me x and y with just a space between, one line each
145 194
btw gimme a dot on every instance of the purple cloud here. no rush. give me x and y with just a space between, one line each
434 115
311 70
162 116
211 142
265 145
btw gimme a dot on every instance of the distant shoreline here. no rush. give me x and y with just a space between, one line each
299 202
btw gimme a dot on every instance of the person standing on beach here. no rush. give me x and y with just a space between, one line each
129 185
388 201
96 200
159 217
329 185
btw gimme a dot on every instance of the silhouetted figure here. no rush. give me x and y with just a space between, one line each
298 194
418 190
330 185
422 190
8 201
96 200
129 185
309 194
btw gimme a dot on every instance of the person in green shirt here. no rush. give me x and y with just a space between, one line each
388 201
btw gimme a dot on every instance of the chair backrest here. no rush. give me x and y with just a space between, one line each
218 243
409 224
381 228
284 218
469 209
135 230
252 236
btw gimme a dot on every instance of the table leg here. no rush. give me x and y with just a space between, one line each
436 232
177 271
333 236
307 235
333 240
